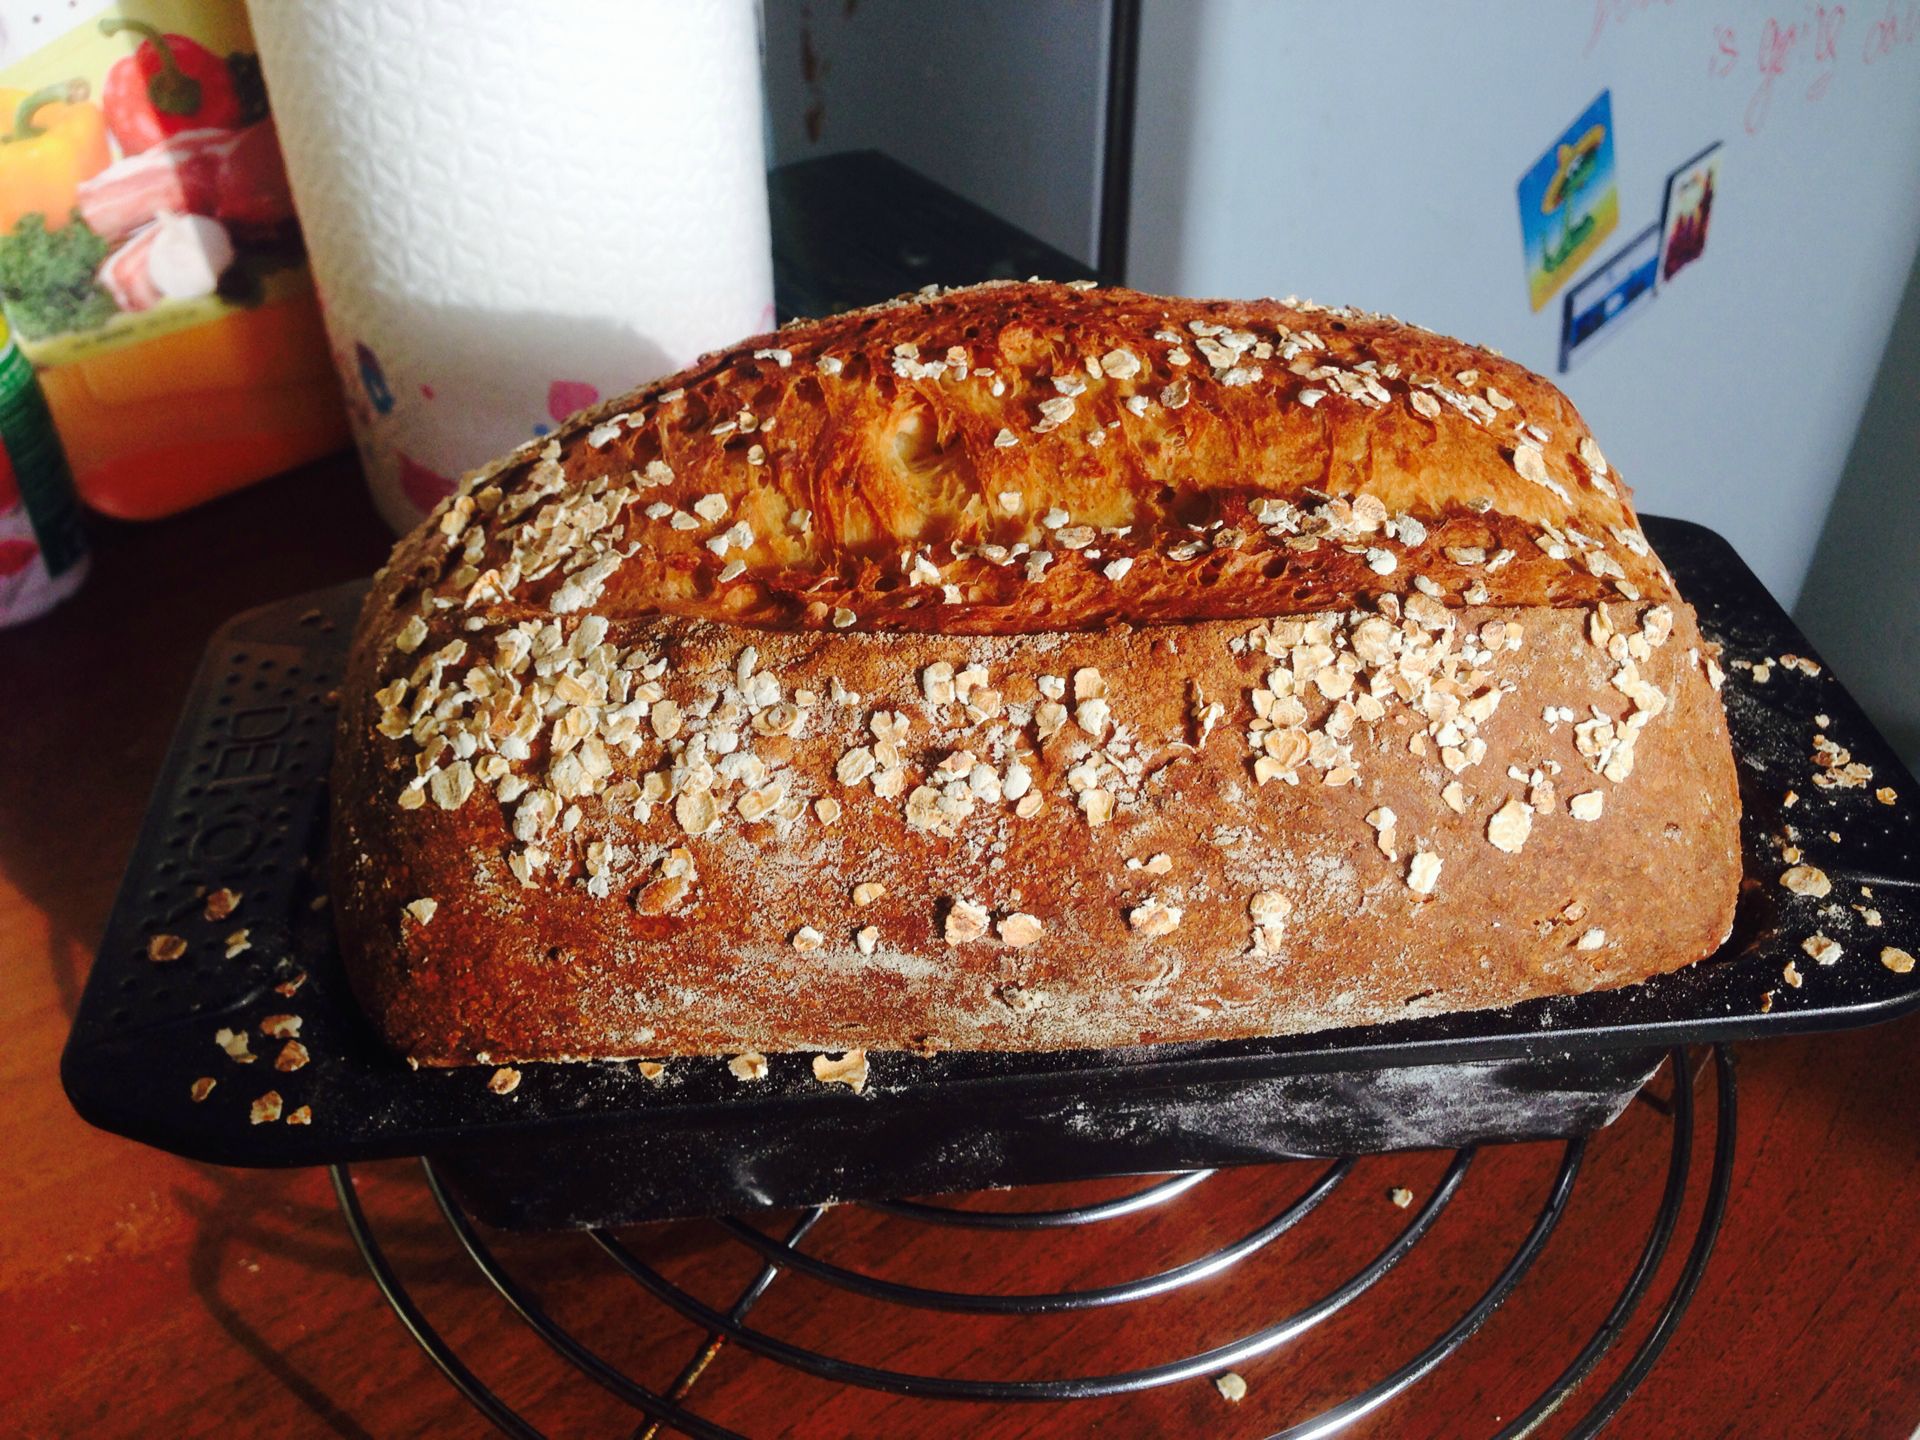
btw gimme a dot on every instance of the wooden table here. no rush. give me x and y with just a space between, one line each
147 1296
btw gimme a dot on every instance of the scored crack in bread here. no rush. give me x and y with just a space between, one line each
1025 667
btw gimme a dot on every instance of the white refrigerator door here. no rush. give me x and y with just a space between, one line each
1368 153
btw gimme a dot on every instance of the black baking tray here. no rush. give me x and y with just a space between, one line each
241 803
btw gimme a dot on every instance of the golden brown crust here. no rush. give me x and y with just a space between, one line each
655 811
872 459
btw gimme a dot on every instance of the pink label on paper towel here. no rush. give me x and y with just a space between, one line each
566 396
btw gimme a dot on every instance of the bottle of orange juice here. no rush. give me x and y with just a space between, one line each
150 262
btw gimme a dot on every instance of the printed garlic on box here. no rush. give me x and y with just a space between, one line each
1569 201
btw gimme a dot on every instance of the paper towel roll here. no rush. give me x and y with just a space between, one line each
515 207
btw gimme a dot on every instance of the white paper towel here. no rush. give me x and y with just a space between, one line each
515 207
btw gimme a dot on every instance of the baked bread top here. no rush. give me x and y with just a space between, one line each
1017 457
1028 666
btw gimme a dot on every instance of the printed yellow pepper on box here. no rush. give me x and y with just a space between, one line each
57 139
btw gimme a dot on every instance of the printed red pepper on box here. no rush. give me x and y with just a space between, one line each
169 84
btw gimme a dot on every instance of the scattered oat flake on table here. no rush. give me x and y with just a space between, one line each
234 1042
849 1070
1806 880
293 1056
1823 949
221 903
202 1088
303 1115
1400 1196
422 910
238 943
281 1027
751 1065
1231 1386
504 1081
266 1109
161 948
288 987
1885 795
1791 974
1896 960
652 1070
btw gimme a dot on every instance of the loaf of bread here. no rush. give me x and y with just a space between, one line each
1028 667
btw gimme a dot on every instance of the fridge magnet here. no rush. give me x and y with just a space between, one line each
1569 202
1688 209
1620 288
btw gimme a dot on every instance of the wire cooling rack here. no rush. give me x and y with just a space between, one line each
725 1321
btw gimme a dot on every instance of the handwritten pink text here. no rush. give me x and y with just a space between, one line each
1813 42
